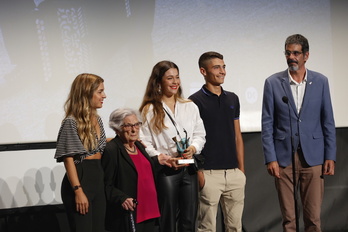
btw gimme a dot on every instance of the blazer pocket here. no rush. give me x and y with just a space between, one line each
317 135
279 136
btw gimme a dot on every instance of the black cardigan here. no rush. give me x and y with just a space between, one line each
120 177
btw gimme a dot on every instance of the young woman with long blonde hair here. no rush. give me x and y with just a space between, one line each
80 144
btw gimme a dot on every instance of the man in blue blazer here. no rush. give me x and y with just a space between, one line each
298 128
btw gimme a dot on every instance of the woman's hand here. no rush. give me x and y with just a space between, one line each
129 204
189 152
162 159
81 201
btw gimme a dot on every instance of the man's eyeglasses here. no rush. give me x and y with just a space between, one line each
295 53
129 126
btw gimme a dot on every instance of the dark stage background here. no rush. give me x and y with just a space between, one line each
261 213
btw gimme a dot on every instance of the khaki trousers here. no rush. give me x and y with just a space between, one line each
227 188
310 185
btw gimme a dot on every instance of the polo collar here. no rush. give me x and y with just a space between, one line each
208 93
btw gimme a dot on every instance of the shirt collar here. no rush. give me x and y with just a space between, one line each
292 81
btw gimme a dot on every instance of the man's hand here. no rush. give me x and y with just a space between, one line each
329 167
273 169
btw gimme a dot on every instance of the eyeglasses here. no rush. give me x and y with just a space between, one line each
129 126
296 53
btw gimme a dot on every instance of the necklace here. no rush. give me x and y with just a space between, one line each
134 149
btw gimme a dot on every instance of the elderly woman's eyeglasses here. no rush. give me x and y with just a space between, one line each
129 126
295 53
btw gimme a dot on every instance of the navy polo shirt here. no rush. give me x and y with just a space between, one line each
218 114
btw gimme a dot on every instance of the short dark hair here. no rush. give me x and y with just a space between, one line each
298 39
208 56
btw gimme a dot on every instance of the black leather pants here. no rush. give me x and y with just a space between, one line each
178 200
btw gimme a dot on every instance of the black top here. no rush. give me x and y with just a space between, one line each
218 114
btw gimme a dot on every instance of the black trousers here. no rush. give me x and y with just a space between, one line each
91 176
178 200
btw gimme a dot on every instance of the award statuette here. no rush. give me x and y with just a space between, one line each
181 147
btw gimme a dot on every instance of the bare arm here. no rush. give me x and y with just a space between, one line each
81 200
239 145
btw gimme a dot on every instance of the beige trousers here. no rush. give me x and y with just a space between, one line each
227 188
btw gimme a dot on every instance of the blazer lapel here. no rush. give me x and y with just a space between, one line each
309 90
288 93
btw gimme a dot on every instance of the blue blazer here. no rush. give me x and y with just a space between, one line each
313 128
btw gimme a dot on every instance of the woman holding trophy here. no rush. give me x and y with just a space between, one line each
173 130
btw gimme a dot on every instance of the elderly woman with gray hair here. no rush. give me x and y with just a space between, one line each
129 175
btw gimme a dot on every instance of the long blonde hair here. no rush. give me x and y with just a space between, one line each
153 95
78 105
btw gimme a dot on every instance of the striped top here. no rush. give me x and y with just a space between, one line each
69 143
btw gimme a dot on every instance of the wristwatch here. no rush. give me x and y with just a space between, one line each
76 187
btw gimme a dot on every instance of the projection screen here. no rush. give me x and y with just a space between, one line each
45 44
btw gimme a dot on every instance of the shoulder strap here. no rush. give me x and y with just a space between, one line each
173 121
